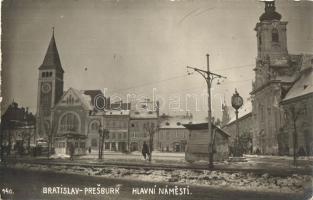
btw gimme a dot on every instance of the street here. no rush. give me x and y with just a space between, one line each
29 185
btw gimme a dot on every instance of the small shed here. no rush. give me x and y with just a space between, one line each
63 142
198 143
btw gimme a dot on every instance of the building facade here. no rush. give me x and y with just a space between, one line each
117 122
143 127
172 135
245 125
74 117
297 134
275 72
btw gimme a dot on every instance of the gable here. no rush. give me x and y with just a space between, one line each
73 97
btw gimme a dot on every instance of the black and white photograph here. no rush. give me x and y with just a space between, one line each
156 99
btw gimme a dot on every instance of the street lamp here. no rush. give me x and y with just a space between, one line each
237 102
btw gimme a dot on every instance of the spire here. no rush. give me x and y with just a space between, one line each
270 13
52 59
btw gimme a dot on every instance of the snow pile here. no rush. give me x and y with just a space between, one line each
232 180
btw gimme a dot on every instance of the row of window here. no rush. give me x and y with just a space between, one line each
76 145
118 135
46 74
166 135
108 124
144 125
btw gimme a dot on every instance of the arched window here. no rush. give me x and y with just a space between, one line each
94 126
275 37
70 99
69 122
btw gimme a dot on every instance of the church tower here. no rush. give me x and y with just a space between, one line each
272 68
271 34
50 87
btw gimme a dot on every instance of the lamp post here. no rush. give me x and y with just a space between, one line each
237 102
103 134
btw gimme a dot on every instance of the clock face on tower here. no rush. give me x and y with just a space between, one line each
46 87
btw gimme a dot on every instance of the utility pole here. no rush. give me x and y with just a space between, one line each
208 76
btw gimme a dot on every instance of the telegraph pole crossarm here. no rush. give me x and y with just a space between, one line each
209 77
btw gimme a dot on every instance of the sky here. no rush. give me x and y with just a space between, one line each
142 47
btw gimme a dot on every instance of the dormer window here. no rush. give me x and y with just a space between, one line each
275 37
178 123
167 123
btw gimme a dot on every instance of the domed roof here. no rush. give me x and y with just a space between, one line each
270 13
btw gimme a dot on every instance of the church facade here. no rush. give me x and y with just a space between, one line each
276 72
74 117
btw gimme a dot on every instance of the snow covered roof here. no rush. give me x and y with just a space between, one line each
303 86
117 112
242 112
135 114
204 126
307 62
85 99
174 122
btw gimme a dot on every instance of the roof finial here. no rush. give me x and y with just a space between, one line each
269 6
270 13
52 30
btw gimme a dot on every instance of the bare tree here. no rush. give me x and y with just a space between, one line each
151 129
293 112
50 130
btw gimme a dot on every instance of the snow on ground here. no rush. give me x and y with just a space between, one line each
216 179
61 156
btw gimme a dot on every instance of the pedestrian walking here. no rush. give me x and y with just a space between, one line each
145 150
72 150
89 150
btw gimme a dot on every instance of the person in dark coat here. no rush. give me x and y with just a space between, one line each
145 150
89 150
72 150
